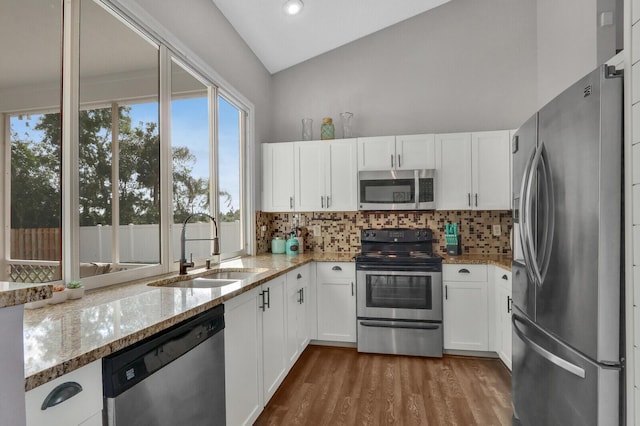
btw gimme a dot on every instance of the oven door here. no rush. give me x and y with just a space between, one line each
411 295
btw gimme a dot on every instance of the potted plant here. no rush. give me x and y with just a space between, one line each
75 289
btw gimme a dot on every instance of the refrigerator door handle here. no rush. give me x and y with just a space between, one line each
528 228
525 216
549 217
560 362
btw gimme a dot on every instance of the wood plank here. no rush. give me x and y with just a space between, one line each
339 386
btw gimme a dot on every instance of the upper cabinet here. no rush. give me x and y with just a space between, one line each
406 152
310 176
326 175
473 171
277 172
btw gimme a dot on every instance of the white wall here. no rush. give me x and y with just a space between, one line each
466 65
571 43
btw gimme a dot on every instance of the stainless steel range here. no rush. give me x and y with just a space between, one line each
399 298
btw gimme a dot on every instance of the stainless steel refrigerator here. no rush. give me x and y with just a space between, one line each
567 266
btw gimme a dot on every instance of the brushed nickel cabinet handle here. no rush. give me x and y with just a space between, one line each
464 271
336 268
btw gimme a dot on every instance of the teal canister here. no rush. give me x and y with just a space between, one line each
292 245
277 245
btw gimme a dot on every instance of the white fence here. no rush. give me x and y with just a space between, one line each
141 243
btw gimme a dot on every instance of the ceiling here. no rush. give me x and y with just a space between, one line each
281 41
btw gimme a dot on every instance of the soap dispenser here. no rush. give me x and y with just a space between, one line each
292 244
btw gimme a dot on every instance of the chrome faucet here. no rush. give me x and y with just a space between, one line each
216 243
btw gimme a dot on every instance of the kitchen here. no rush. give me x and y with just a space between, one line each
481 65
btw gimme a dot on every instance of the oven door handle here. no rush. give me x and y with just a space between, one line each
409 326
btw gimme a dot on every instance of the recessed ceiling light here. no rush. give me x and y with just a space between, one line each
292 7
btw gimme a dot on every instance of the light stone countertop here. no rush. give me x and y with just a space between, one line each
14 294
500 260
61 338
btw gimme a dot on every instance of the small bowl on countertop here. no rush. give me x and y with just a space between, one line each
57 297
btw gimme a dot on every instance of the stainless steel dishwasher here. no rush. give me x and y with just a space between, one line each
173 378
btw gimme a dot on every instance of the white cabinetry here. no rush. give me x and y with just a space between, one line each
81 408
274 360
243 357
336 293
297 312
465 312
473 171
255 359
503 304
396 152
277 177
326 175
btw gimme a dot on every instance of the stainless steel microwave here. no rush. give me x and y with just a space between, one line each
396 190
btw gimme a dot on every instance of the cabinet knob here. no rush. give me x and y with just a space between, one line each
299 276
504 277
60 394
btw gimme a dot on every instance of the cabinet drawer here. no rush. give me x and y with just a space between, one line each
502 277
464 273
300 275
75 410
333 270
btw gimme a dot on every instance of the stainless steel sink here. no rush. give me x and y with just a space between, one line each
217 278
201 283
231 275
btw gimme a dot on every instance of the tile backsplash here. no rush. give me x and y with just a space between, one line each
340 231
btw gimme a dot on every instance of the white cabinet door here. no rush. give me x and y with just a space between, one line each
377 153
415 152
243 358
297 322
341 178
453 171
491 155
273 336
278 177
503 317
465 313
336 293
310 170
73 411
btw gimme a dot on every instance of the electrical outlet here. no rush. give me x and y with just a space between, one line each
496 229
316 230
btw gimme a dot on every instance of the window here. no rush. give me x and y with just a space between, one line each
230 204
191 155
131 189
119 146
30 130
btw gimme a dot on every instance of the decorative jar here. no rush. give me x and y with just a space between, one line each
307 129
327 131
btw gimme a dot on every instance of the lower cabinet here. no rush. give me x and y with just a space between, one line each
503 302
274 329
465 311
81 391
297 312
262 327
243 357
336 293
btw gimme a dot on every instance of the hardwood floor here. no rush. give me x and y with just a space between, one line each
339 386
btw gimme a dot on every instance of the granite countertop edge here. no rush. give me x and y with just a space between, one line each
15 294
